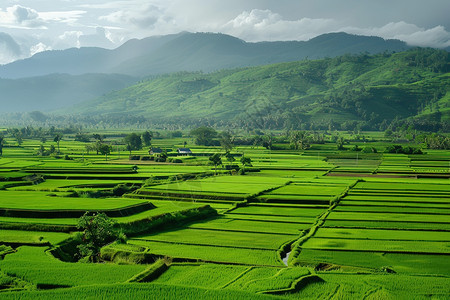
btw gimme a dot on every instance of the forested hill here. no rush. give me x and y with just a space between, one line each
340 92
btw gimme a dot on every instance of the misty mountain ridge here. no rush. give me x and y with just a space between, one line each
186 51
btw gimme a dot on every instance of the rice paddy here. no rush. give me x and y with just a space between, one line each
298 224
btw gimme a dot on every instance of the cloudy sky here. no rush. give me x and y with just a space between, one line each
31 26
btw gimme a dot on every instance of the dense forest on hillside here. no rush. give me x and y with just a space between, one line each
369 92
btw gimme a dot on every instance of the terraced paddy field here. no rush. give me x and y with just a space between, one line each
310 224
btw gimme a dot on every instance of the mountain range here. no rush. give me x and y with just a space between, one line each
191 52
334 77
56 79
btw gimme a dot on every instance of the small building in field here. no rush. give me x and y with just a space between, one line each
155 151
184 151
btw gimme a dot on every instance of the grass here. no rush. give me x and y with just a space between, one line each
208 237
34 265
19 236
251 225
377 234
381 223
404 263
402 246
42 201
211 253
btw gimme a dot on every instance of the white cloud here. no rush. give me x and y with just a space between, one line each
101 38
40 47
143 16
20 17
264 25
409 33
69 39
68 17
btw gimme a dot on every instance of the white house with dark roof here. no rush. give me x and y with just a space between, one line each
184 151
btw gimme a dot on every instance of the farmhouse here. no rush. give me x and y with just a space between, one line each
184 151
155 151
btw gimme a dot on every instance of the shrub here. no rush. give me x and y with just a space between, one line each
369 149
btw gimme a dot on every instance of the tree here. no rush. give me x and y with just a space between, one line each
133 142
105 150
98 230
57 139
81 137
204 135
216 160
340 143
299 140
226 141
41 151
267 142
98 137
230 157
2 141
245 161
147 138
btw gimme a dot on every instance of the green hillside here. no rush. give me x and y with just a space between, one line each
336 92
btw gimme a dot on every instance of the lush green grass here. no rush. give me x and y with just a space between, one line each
251 225
33 264
19 236
409 263
211 253
135 291
277 211
377 286
393 217
382 245
209 237
398 235
212 276
386 224
42 201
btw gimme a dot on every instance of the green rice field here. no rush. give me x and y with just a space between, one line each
297 224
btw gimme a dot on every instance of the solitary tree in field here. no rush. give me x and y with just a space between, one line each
133 142
98 230
105 150
57 139
216 160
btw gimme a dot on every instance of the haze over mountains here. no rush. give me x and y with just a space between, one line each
191 52
26 84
